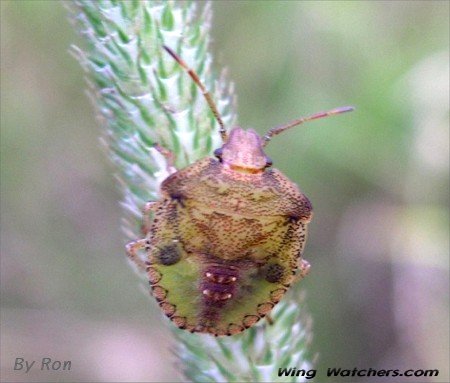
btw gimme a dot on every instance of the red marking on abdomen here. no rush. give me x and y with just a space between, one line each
218 286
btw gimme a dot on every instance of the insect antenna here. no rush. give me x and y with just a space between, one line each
281 128
205 92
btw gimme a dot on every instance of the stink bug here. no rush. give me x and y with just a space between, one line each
224 242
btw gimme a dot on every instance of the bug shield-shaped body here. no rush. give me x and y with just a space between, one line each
226 238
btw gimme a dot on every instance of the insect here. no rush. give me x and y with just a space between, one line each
224 242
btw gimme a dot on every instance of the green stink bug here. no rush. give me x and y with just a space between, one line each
226 238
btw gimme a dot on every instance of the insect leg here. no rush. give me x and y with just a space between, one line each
132 249
169 157
303 270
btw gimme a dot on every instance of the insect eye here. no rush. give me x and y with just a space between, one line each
218 153
269 162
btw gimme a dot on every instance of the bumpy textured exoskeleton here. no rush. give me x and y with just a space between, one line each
225 241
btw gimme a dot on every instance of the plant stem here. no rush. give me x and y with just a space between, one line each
143 98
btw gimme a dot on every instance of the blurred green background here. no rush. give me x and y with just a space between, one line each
378 179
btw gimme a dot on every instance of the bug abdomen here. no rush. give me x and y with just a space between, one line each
222 289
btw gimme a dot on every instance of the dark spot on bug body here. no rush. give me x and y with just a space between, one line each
169 255
274 273
292 219
178 197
